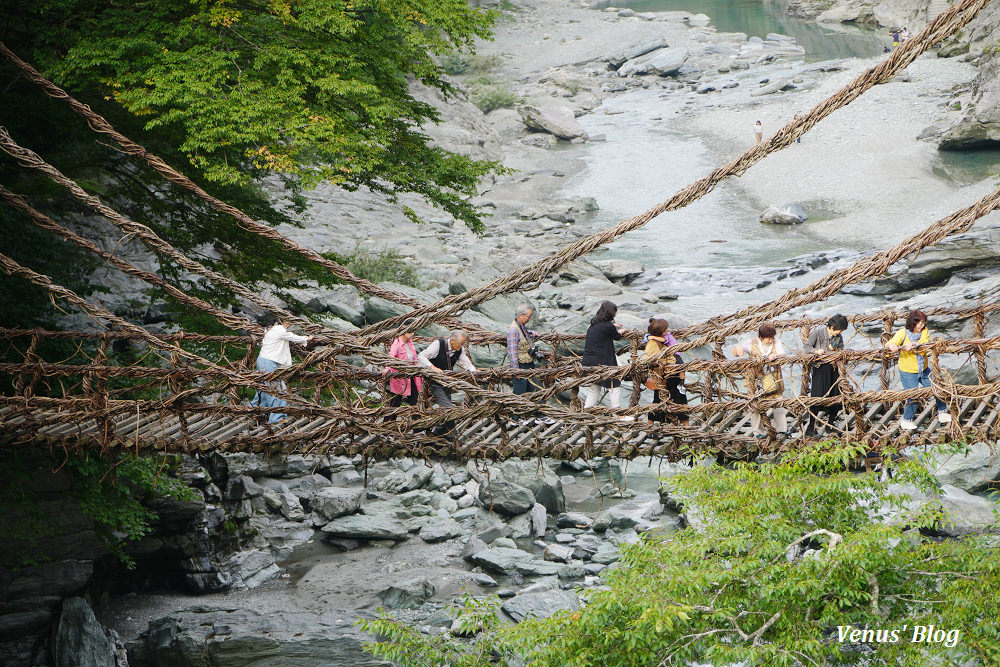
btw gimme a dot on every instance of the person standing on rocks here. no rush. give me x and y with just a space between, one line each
765 346
275 353
599 350
403 388
522 351
913 369
758 131
442 355
825 376
663 382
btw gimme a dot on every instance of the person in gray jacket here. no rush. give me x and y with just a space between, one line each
825 376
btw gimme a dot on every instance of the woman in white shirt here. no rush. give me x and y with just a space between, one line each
766 346
275 353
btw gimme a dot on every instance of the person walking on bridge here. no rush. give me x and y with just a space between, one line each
825 376
766 346
401 387
275 353
522 350
913 369
444 354
599 350
665 384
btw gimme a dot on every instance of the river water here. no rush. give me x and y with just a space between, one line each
714 253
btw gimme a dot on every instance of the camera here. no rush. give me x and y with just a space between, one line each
536 352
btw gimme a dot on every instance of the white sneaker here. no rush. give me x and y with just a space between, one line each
626 418
944 418
907 425
545 420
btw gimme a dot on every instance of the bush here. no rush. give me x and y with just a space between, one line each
791 560
490 97
380 266
455 63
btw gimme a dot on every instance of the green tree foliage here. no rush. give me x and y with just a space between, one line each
787 561
111 491
234 92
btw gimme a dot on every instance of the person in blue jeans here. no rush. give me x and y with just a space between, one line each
913 369
275 353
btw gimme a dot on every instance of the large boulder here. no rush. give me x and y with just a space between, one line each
965 514
440 530
79 640
771 87
203 636
787 214
977 469
662 62
505 497
619 58
976 251
535 476
540 605
620 270
331 502
501 559
377 527
409 594
558 121
980 125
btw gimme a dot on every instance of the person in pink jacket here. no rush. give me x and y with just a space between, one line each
403 387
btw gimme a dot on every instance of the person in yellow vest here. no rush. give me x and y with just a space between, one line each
766 346
913 369
522 350
664 383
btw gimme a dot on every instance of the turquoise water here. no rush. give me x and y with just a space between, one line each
759 17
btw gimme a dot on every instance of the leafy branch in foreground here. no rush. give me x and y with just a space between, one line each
786 561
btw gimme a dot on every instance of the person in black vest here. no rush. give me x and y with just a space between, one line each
444 354
599 350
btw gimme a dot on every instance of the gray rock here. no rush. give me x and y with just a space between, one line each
473 546
243 486
540 605
538 520
975 470
495 532
378 309
620 270
504 542
485 580
343 478
559 121
456 491
771 87
594 569
331 502
307 486
662 62
540 140
409 594
501 559
202 636
978 249
606 555
619 58
537 568
506 497
544 484
572 571
980 125
559 552
787 214
965 513
79 640
378 527
440 530
572 520
291 507
401 482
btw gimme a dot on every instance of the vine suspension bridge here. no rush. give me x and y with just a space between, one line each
187 392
